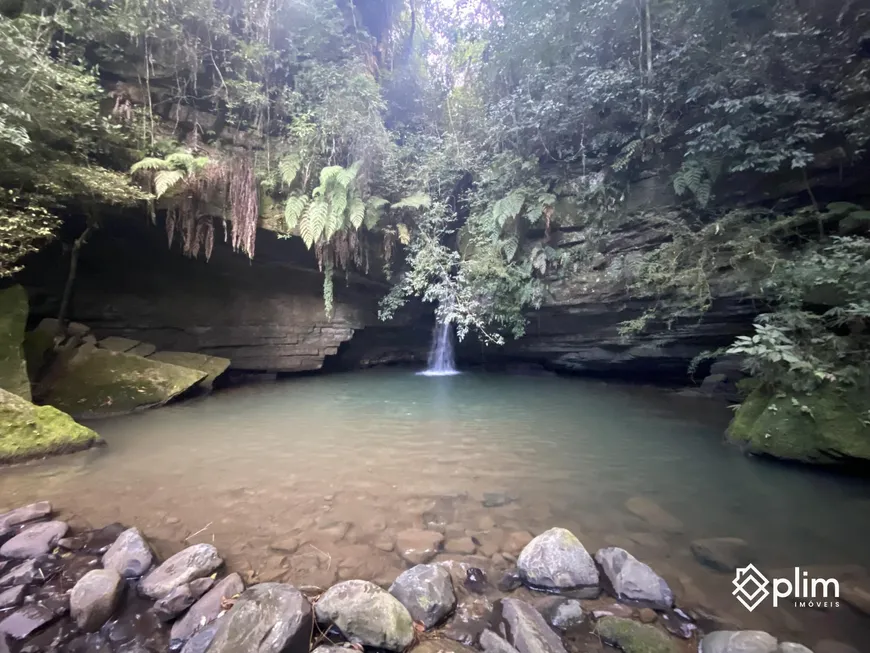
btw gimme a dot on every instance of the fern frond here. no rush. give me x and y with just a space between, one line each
165 180
184 160
415 201
293 209
347 175
312 226
404 233
149 163
334 224
377 202
509 247
329 173
337 200
288 169
356 212
508 207
199 163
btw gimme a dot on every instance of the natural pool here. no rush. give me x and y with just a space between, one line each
308 481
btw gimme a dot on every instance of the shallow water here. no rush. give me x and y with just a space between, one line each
337 464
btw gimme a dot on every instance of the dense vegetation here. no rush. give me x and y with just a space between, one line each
469 137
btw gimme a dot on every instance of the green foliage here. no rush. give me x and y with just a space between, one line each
23 229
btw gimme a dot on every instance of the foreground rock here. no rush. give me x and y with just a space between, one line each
94 598
35 540
267 618
205 610
32 512
633 637
193 562
129 555
723 554
13 319
634 580
738 641
556 560
418 546
491 642
213 366
526 630
29 431
365 614
561 613
427 593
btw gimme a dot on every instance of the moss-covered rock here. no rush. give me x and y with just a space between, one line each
823 427
213 366
93 382
29 431
13 318
633 637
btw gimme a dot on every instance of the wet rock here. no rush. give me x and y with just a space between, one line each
94 598
654 515
23 574
27 620
441 646
418 546
193 562
331 648
460 546
738 641
473 613
526 629
99 541
286 546
857 597
174 603
71 543
129 554
35 540
791 647
634 580
206 610
679 624
200 642
723 554
490 642
510 581
89 643
475 580
496 499
556 560
646 615
561 613
833 646
366 614
266 618
515 542
633 637
427 593
200 586
12 597
25 514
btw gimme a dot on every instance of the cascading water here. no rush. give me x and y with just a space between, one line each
441 355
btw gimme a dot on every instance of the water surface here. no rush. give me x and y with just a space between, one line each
333 466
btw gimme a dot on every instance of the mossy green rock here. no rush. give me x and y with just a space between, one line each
823 427
13 318
633 637
29 431
213 366
95 382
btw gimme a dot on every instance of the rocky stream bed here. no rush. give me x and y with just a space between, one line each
106 591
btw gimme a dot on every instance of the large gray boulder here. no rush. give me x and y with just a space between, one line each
366 614
556 560
129 555
632 579
193 562
427 592
35 540
526 630
267 618
25 514
205 610
738 641
94 598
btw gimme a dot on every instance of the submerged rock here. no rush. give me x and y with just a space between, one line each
205 610
23 574
427 592
418 546
13 365
12 597
634 580
526 629
29 431
723 554
561 613
266 618
654 515
366 614
129 555
193 562
510 581
633 637
738 641
27 620
32 512
556 560
94 598
35 540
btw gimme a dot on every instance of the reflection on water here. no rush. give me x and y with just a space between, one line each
310 479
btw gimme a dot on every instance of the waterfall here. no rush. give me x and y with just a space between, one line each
441 354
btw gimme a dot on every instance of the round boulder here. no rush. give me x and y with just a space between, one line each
418 546
556 560
129 555
427 592
194 562
94 598
634 580
366 614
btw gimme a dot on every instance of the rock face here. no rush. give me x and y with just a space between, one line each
723 554
213 366
13 365
193 562
556 560
34 540
366 614
526 629
129 555
633 637
418 546
29 431
632 579
267 618
205 610
94 598
738 641
427 592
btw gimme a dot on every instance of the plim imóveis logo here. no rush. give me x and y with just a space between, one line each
750 588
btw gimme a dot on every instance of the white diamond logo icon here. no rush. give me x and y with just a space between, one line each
750 587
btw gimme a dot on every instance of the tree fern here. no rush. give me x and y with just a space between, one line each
696 177
327 174
346 176
293 210
415 201
182 160
337 200
314 222
356 212
404 233
509 247
374 211
288 169
507 208
149 163
165 180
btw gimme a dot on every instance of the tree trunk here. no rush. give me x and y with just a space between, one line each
71 277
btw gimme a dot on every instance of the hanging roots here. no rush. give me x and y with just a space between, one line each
243 205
